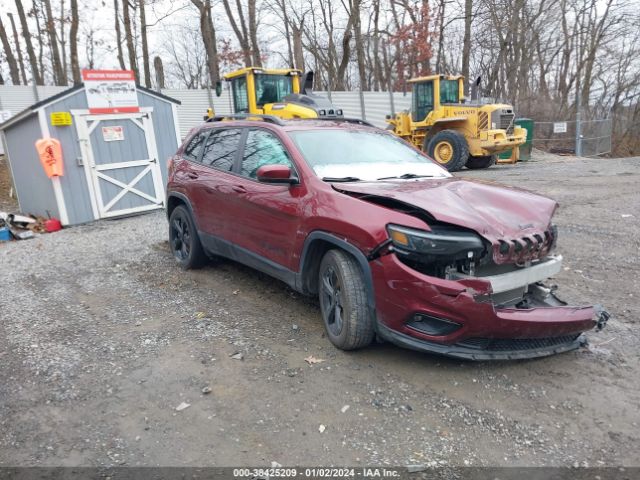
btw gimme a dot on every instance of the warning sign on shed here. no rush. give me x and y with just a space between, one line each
113 134
110 91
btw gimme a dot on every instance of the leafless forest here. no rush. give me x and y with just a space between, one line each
547 57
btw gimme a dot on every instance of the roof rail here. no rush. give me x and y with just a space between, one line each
247 116
357 121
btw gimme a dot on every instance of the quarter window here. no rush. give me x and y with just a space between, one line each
220 149
194 148
262 148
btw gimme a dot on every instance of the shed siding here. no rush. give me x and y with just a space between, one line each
35 191
164 129
74 182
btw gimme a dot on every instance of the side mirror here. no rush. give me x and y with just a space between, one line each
275 174
218 88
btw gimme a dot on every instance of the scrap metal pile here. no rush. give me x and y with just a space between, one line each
14 226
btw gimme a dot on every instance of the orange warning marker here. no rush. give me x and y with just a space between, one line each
50 152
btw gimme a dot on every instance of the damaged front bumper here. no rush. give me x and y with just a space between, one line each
483 330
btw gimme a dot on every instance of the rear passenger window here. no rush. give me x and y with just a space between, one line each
262 148
194 148
220 149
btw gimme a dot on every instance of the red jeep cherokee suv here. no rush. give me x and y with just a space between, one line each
392 244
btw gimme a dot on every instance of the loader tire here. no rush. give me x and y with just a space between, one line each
449 149
476 163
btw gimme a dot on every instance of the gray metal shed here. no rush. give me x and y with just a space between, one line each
114 164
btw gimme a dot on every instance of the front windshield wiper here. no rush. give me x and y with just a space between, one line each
341 179
406 176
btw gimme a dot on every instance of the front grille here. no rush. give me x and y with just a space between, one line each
516 344
528 247
506 122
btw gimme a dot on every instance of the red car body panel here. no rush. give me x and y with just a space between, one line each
274 222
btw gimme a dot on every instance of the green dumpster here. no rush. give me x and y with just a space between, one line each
525 149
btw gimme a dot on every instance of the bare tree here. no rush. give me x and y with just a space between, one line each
16 41
208 34
33 61
245 31
159 69
73 42
11 59
116 4
128 33
59 75
466 44
145 45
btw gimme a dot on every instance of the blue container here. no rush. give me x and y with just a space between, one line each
5 234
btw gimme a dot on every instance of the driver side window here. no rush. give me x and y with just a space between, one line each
262 148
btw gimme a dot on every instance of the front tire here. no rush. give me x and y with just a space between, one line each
449 149
184 240
343 301
476 163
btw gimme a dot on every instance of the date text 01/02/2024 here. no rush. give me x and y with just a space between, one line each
315 472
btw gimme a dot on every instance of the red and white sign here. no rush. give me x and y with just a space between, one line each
113 134
111 91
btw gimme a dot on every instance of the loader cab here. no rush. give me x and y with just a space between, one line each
431 92
252 88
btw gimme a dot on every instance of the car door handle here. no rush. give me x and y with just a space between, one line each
192 175
239 189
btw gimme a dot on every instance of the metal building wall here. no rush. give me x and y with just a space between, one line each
74 182
33 187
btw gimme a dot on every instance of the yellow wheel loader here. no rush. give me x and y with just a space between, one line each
283 93
453 132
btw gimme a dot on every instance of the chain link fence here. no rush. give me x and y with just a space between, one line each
590 138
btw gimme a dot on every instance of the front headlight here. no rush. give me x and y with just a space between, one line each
441 244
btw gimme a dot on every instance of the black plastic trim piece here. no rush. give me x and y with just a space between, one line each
349 248
466 353
224 248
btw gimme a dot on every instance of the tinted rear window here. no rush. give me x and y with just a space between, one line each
194 147
220 149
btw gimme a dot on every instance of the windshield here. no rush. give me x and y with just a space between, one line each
362 155
272 88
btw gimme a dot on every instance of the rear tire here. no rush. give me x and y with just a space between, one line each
343 301
449 149
476 163
184 240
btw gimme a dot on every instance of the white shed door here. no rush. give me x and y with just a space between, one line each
120 158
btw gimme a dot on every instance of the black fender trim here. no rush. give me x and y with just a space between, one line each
186 201
349 248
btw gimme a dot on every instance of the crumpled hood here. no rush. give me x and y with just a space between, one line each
494 211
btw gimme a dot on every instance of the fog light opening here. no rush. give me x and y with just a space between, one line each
436 327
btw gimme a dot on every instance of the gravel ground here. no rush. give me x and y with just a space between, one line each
102 337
